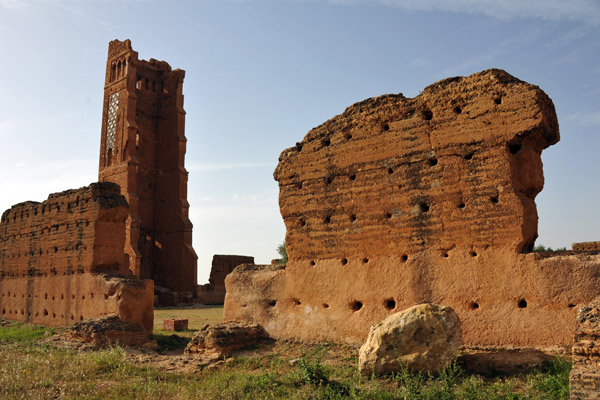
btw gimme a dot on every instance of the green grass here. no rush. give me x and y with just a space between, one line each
29 369
23 333
197 318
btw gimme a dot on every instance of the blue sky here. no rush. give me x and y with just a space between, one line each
260 74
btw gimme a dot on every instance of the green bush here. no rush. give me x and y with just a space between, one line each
283 253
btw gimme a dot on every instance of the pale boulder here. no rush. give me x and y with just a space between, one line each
424 338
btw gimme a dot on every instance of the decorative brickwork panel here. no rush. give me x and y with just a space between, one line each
401 201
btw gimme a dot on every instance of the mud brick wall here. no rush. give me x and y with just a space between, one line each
400 201
586 246
142 149
75 231
53 256
222 265
584 380
64 300
399 175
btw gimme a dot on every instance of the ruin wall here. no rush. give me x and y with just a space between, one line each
62 260
586 246
584 379
400 201
222 265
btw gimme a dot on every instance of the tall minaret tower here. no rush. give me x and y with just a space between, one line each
143 150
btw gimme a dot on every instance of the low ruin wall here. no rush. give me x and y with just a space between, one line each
402 201
64 300
62 261
586 246
584 379
222 265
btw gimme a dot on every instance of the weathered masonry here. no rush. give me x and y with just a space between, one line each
401 201
586 246
214 291
62 261
584 380
143 150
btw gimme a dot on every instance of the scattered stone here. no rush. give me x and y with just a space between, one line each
584 380
109 330
424 338
175 324
293 361
504 362
222 339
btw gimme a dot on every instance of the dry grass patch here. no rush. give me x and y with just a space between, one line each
281 370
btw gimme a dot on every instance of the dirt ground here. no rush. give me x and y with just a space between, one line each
170 353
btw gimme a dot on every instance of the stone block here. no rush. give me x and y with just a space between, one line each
175 324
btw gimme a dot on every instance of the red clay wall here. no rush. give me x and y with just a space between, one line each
222 265
75 231
63 300
142 149
586 246
53 256
401 201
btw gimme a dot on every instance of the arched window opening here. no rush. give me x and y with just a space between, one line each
109 155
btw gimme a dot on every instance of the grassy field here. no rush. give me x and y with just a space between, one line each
197 317
283 370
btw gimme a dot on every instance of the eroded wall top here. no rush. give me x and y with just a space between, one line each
457 166
72 232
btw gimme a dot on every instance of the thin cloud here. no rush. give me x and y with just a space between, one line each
420 62
587 11
489 56
585 119
23 181
208 167
76 8
13 4
565 39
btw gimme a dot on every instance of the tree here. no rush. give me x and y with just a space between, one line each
541 247
283 253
